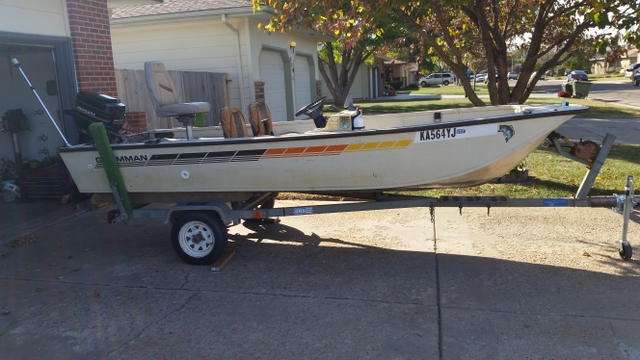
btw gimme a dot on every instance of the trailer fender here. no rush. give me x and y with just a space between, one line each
219 208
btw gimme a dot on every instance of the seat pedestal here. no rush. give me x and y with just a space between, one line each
187 121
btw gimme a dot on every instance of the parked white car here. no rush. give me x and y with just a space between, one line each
437 79
534 74
630 70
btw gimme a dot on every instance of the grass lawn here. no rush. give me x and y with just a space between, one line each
481 89
598 109
551 174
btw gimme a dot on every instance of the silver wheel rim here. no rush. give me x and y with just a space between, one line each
196 239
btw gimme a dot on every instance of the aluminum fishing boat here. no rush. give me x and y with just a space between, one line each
432 149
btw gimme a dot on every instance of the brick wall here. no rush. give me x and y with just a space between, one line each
258 87
92 52
135 122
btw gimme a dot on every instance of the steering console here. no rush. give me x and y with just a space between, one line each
314 111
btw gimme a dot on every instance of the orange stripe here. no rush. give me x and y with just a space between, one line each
296 151
339 148
316 149
276 151
313 151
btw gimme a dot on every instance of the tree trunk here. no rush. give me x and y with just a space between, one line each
339 77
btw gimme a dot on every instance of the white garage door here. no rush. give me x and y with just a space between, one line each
272 73
302 83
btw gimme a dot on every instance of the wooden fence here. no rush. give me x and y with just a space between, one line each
192 86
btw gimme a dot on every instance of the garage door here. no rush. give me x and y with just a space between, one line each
41 139
272 73
302 83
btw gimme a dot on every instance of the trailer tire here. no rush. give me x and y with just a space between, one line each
198 237
626 252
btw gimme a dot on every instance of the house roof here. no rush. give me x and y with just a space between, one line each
179 6
179 10
122 3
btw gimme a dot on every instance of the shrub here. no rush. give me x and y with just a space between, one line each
396 85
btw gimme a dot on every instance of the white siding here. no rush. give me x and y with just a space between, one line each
302 82
272 72
41 17
260 39
206 45
359 88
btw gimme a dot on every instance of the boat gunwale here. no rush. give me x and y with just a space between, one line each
330 135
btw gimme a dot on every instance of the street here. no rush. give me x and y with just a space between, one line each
619 91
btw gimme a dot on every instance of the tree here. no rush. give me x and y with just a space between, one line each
339 67
455 29
580 55
356 43
613 51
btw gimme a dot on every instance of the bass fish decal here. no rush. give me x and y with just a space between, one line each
507 131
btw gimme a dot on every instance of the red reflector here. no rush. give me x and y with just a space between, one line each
257 215
111 215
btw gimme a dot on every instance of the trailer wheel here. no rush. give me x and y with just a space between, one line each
626 252
198 237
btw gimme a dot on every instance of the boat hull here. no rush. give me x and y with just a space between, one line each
456 153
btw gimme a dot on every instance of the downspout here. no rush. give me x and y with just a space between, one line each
239 62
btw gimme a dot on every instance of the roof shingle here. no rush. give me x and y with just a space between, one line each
177 6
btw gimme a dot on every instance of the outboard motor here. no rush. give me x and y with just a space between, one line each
93 107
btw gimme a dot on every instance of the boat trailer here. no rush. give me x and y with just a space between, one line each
199 227
199 233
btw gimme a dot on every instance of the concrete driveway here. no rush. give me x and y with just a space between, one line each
523 283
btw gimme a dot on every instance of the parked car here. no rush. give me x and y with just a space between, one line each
577 75
534 74
636 78
512 75
437 79
481 77
630 71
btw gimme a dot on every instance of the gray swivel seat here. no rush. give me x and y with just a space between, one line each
164 97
